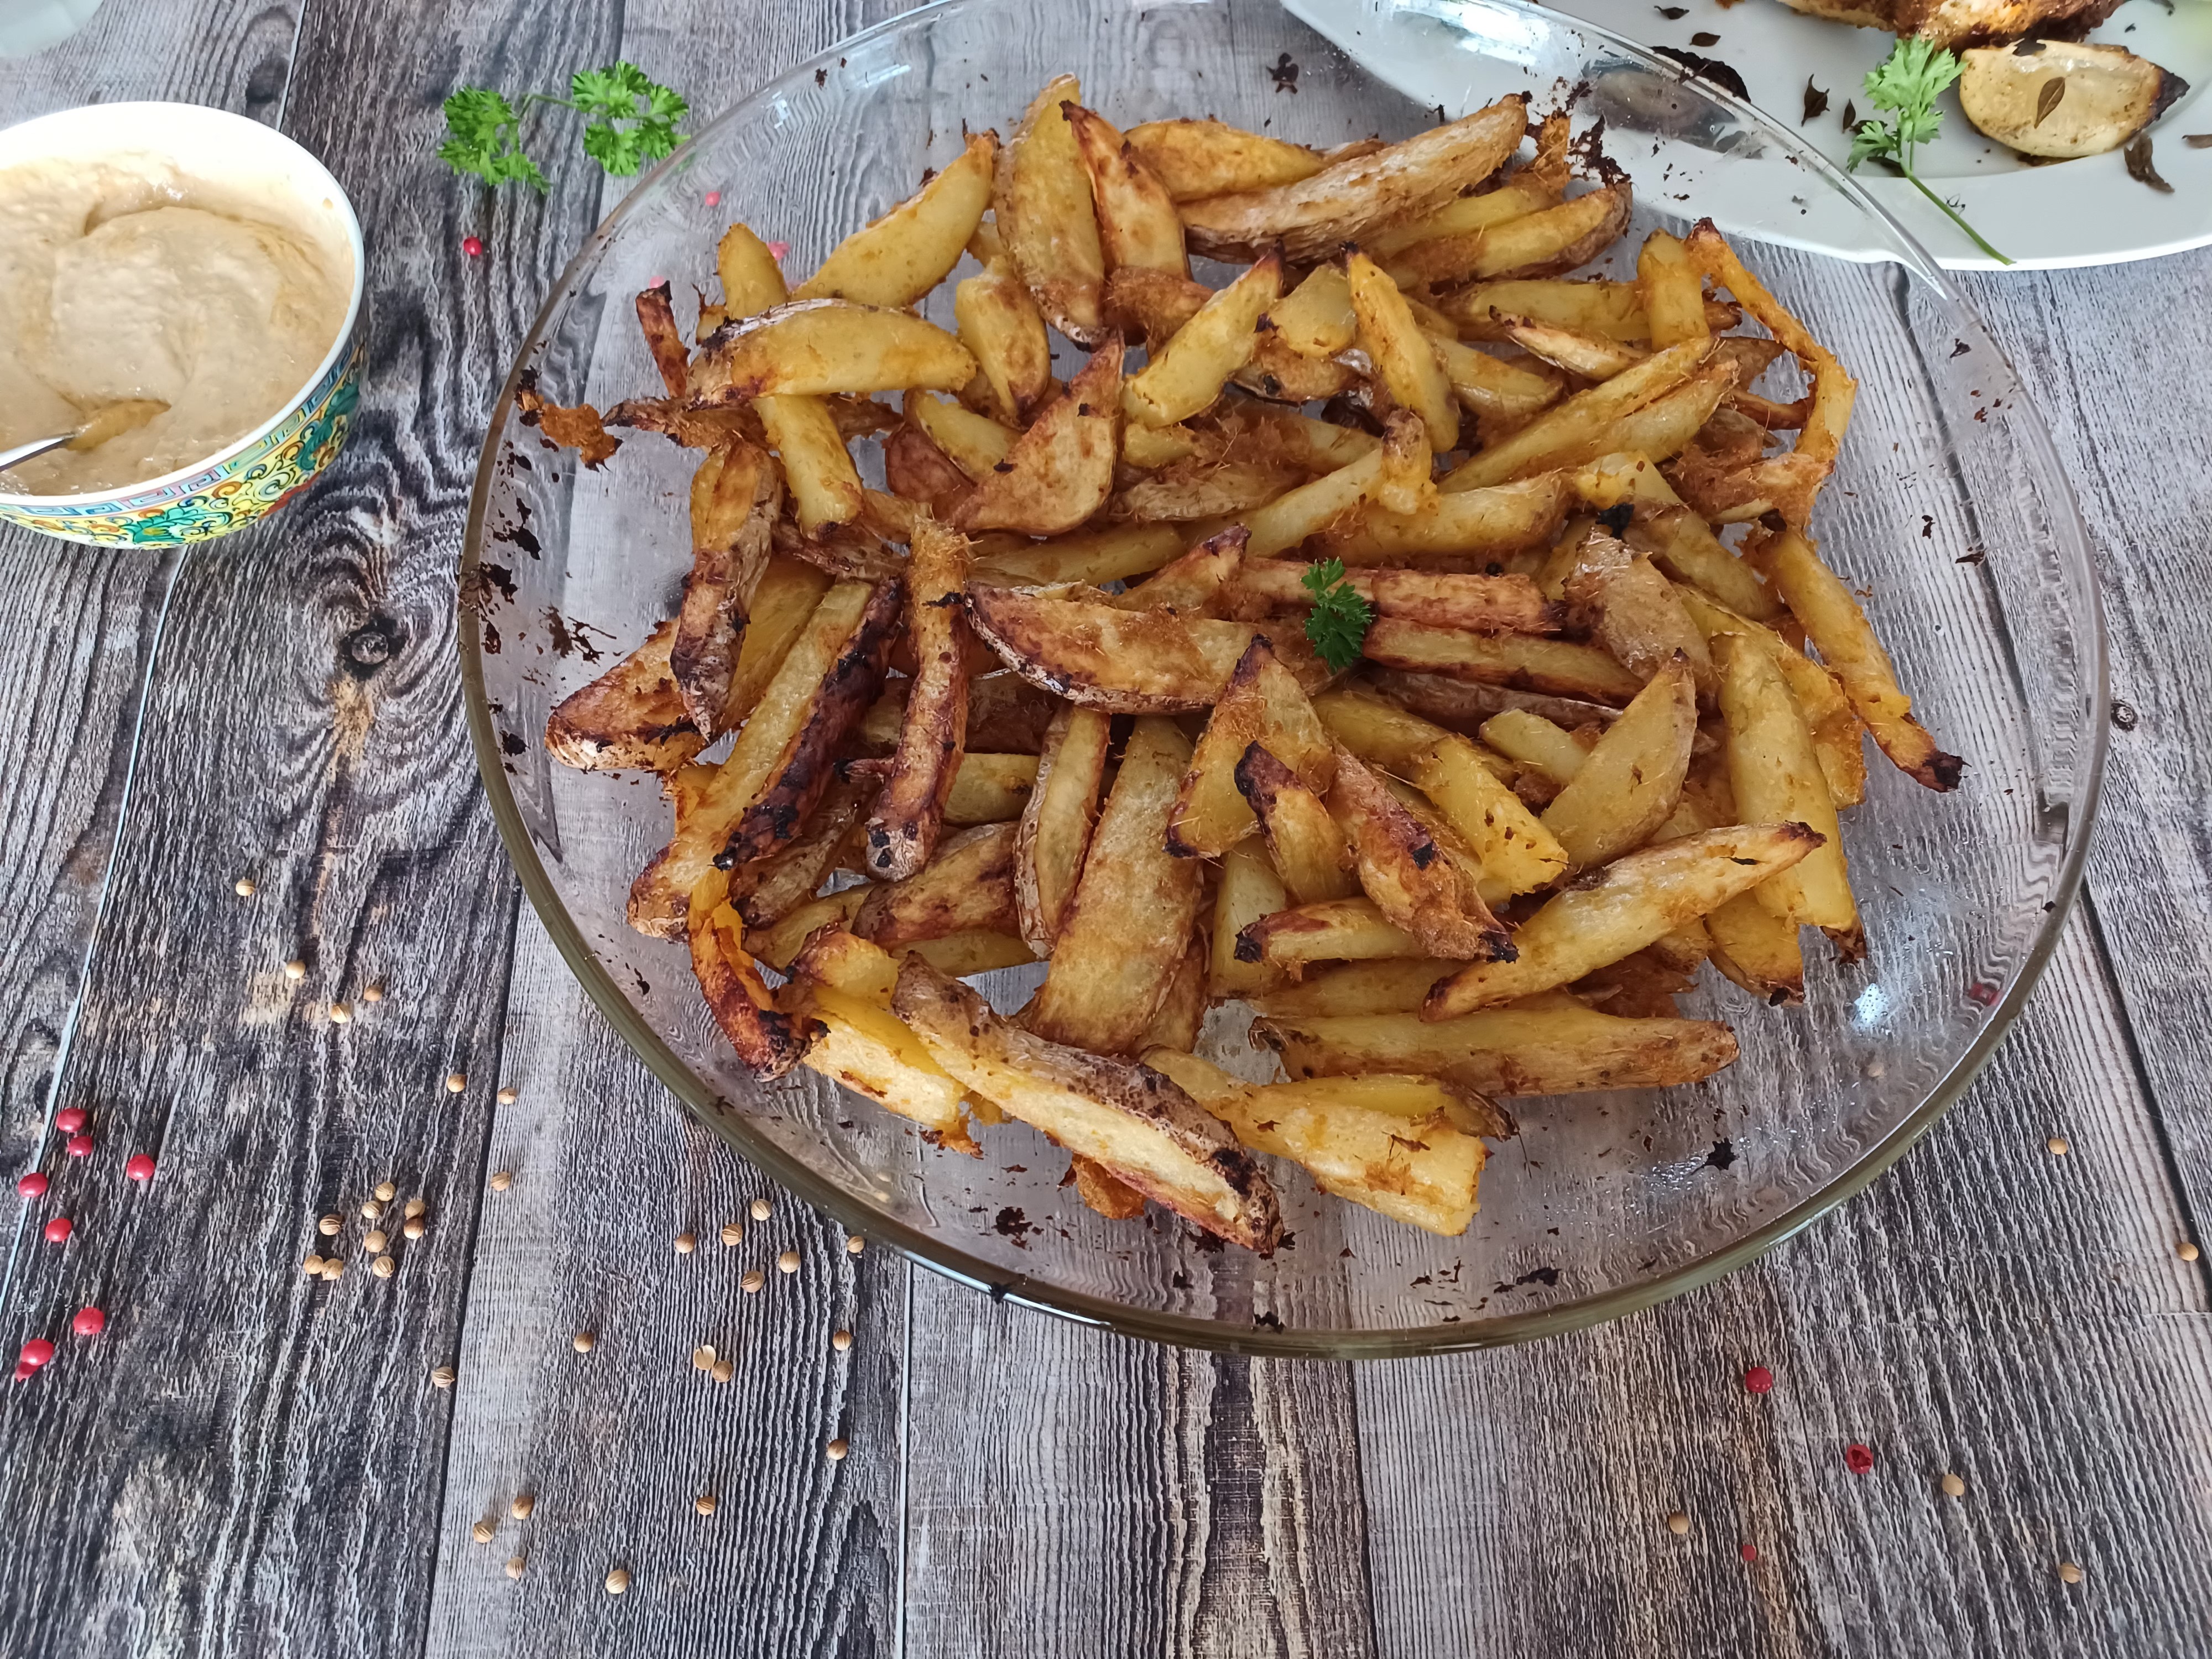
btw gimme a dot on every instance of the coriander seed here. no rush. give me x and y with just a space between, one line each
243 887
1953 1487
734 1235
583 1341
482 1532
618 1581
373 1241
372 993
855 1244
415 1206
523 1503
313 1266
414 1226
329 1225
788 1261
386 1191
501 1180
840 1340
456 1081
761 1209
685 1243
295 969
515 1566
837 1450
340 1013
383 1266
704 1503
442 1377
2069 1573
753 1280
724 1371
506 1095
1679 1524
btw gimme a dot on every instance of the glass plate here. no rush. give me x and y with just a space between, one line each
1948 510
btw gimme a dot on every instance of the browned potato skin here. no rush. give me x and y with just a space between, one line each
809 764
631 716
909 813
766 891
1073 758
1406 874
735 499
1309 850
1040 201
1156 303
987 1052
1137 220
1482 603
916 470
1196 159
1103 1191
770 1042
1006 715
1061 469
1262 703
1316 215
968 887
1524 662
657 317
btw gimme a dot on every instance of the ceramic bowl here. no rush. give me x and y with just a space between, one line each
274 462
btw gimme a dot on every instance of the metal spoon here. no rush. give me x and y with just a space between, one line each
112 421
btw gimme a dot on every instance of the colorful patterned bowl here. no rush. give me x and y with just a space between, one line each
272 464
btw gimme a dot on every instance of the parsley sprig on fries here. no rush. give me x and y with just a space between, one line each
1338 622
1907 83
629 119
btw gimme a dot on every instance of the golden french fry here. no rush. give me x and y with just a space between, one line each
1817 596
1203 490
630 716
1136 1123
1040 200
1305 844
766 1039
1599 306
1316 320
752 280
1776 778
1621 909
1673 535
1593 356
818 346
967 887
1004 332
1387 469
1524 660
1758 950
1158 304
1061 471
1547 242
1387 986
1496 603
1247 889
1196 159
1671 290
1330 930
1407 874
1401 355
1551 1045
1537 744
1137 220
909 813
1837 732
899 257
1193 585
767 889
845 984
1638 615
735 496
1176 1022
1129 923
974 443
825 488
1630 781
1186 375
1503 519
1460 223
1056 823
1262 703
777 944
1090 557
1574 431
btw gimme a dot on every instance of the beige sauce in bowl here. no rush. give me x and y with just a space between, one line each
120 278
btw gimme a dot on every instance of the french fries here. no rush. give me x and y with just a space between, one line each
1049 694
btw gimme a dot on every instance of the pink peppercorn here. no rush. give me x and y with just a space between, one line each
59 1228
777 250
1759 1379
33 1185
472 245
714 199
70 1119
80 1146
140 1168
89 1321
1750 1551
36 1352
1857 1458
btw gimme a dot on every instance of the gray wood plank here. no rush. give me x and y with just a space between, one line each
236 54
2127 412
247 1461
1986 1309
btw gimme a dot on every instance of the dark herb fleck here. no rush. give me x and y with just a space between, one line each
1671 14
1705 37
1697 66
1816 101
2137 155
1284 74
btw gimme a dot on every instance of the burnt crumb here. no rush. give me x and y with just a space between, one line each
1722 1156
570 636
929 173
511 744
1616 518
1011 1222
1697 66
489 636
1425 855
2124 716
821 77
1179 1280
1974 557
1268 1320
1705 37
1927 527
644 985
1283 73
1206 1242
1960 348
1671 14
1545 1276
1816 102
1423 1279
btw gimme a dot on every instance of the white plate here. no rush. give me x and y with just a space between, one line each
2085 212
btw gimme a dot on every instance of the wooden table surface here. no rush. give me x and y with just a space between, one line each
247 1463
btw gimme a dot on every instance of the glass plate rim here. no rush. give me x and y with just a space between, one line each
1190 1331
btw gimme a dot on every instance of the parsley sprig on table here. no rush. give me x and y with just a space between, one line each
629 119
1907 83
1338 624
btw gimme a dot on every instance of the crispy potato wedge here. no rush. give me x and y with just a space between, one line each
1387 986
752 280
1176 1022
1130 1120
1262 703
1004 332
1061 471
1195 159
1596 305
1103 1191
1090 558
1305 844
1132 662
1197 490
1501 396
1550 1045
1404 360
1057 822
1673 535
1247 889
1773 770
1460 223
1394 476
1635 613
1837 732
1574 431
1464 705
818 346
775 946
974 443
1137 220
1129 924
767 1039
825 488
1504 518
1316 320
631 716
1522 660
1671 290
845 984
1537 744
1614 911
1416 1166
656 319
1819 600
1158 304
973 950
917 471
1193 585
783 604
968 887
1506 605
1547 242
1330 930
1592 357
1041 203
579 427
1407 875
1758 951
909 813
1185 375
736 494
1314 216
807 765
766 891
896 259
1630 783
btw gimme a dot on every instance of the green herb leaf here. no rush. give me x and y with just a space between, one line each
1338 624
485 138
1907 83
635 117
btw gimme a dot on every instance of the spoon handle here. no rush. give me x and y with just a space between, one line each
35 447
